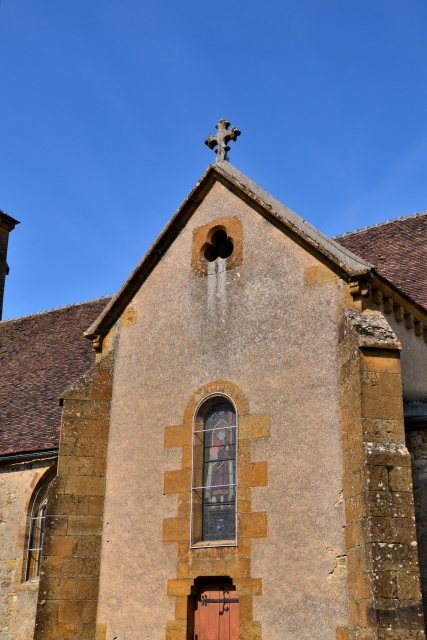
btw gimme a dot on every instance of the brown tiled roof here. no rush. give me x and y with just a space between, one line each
398 249
40 356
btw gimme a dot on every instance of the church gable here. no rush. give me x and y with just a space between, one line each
247 331
234 465
288 222
263 283
218 467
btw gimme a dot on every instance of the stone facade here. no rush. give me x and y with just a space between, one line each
19 481
255 327
7 224
292 330
417 445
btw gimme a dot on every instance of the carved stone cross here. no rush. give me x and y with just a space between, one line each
221 139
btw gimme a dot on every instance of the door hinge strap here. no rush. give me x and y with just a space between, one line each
205 601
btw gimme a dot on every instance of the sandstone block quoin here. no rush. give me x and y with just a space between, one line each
383 574
69 581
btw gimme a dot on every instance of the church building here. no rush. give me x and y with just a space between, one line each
232 447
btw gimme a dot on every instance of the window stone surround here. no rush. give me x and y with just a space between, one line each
233 561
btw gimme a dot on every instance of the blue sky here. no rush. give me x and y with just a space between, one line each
105 106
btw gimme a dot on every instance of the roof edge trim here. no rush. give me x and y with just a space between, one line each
267 205
27 456
7 222
417 214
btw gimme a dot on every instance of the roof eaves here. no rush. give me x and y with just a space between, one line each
406 298
19 456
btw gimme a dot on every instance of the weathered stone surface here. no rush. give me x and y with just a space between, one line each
69 580
18 598
372 329
178 436
253 426
417 445
384 581
253 333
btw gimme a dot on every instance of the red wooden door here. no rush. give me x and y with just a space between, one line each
216 613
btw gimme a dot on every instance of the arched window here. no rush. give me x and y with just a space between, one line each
214 493
36 530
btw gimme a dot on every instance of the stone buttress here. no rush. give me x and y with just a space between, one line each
68 592
383 573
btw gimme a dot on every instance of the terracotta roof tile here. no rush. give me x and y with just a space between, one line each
398 249
40 356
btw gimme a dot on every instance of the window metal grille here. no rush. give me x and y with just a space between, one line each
36 536
214 490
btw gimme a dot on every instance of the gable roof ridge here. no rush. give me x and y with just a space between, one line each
236 182
301 224
66 306
381 224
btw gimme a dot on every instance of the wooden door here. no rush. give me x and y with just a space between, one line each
216 613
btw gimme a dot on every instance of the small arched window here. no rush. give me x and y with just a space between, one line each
214 493
37 521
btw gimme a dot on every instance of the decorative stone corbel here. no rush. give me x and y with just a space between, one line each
360 288
399 312
419 328
97 344
388 304
409 320
377 297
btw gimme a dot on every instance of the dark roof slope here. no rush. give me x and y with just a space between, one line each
398 249
40 356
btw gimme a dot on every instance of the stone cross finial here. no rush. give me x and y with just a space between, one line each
221 139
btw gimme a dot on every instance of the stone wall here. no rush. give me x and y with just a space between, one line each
7 224
68 593
413 361
268 326
18 598
416 440
384 585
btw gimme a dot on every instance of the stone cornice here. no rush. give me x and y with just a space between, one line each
7 222
373 291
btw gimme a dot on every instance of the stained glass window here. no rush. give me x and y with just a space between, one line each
214 476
